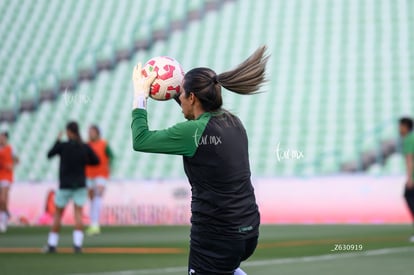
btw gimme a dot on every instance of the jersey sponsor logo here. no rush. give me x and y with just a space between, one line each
245 229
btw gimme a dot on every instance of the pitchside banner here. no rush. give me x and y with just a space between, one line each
350 199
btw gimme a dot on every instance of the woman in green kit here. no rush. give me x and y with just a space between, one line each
213 142
407 135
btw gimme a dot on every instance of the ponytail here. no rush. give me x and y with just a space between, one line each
246 78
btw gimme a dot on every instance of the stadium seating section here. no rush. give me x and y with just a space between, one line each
340 74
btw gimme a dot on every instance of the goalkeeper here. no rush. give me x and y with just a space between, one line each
213 142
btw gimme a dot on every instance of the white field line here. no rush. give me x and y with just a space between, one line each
305 259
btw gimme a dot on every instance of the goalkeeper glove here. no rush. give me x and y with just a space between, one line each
142 86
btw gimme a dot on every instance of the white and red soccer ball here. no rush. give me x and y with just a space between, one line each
169 79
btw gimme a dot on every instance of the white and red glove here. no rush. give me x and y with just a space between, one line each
142 86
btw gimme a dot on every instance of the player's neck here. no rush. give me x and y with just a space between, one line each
198 113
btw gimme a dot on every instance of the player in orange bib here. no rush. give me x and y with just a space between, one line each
7 162
97 177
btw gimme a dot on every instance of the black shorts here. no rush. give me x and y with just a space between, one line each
409 197
409 193
219 257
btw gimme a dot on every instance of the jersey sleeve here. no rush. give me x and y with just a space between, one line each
109 153
408 145
55 150
180 139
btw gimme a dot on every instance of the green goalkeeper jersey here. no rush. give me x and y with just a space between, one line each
216 161
180 139
408 145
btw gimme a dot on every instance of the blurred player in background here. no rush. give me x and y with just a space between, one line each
213 142
7 162
74 156
97 176
407 134
50 209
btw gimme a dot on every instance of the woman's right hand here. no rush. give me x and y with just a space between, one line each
142 84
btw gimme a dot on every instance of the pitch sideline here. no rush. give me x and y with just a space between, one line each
304 259
172 250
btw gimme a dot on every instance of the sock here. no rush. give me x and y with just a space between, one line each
96 210
239 271
77 238
53 239
3 219
91 212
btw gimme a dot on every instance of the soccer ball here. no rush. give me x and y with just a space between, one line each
169 79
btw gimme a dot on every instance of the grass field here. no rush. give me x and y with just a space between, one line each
283 249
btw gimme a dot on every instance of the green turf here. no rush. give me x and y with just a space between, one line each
281 251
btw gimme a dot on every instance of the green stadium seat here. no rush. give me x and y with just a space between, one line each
64 31
339 77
